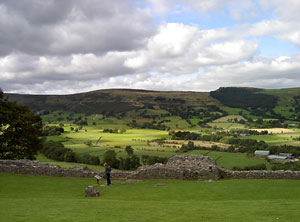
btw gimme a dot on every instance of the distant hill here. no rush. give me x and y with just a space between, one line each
115 100
284 102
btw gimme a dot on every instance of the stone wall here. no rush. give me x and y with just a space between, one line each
261 174
201 167
189 167
35 168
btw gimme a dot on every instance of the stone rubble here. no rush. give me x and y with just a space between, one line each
90 191
189 167
35 168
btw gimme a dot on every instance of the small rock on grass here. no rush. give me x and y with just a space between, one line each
131 181
91 192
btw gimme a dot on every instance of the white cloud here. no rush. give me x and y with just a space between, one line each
72 45
172 40
286 10
70 27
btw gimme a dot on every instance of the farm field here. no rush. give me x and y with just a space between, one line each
33 198
229 160
226 125
137 138
85 139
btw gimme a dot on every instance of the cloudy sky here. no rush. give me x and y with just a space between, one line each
71 46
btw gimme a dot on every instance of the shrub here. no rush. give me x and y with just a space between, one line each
261 166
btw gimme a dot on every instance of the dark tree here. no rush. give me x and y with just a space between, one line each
129 150
19 131
110 157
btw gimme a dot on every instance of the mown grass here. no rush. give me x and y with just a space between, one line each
35 199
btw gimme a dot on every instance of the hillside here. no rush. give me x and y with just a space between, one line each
268 103
115 100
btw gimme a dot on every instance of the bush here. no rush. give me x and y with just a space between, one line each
131 162
57 151
110 157
129 150
285 166
261 166
151 160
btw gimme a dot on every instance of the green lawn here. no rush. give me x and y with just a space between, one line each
35 199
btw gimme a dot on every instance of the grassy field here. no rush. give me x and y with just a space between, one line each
227 126
35 199
229 118
229 160
139 138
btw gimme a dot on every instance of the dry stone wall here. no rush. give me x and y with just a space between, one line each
188 167
35 168
261 174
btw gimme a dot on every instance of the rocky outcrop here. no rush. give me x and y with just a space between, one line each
189 167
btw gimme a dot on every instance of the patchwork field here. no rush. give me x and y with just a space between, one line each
35 199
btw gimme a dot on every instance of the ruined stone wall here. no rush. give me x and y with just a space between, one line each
188 167
193 167
35 168
261 174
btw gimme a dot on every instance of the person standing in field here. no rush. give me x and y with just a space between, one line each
107 173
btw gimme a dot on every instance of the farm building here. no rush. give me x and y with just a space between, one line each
262 153
288 155
277 157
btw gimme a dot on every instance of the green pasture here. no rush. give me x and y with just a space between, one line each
55 117
35 199
136 137
228 160
270 139
176 123
229 118
231 111
227 126
154 112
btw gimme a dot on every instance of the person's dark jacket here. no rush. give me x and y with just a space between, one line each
107 170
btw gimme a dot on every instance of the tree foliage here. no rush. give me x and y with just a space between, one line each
244 97
19 131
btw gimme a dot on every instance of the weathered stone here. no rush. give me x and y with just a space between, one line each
29 167
188 167
131 181
91 192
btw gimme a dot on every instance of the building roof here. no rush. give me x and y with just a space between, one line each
262 152
276 157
